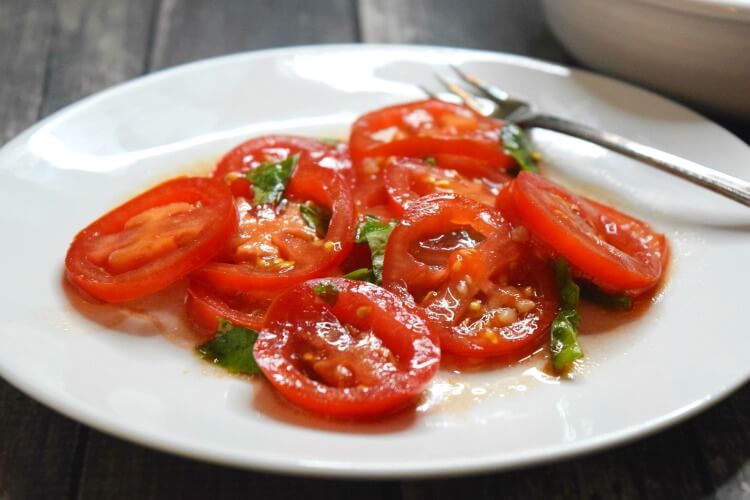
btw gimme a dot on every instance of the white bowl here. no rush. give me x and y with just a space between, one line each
698 50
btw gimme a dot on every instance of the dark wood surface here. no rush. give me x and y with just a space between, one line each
55 52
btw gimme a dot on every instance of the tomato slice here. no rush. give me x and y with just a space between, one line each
460 262
427 128
152 240
433 228
361 353
273 148
486 312
275 248
617 252
205 305
408 179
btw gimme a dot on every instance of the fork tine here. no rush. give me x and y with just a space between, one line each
465 96
490 91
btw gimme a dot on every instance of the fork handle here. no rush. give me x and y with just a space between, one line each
731 187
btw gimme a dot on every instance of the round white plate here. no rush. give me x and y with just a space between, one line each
113 371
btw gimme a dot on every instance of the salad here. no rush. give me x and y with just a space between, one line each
344 272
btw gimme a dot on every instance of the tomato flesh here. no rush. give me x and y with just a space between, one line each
407 180
617 252
152 240
364 354
506 312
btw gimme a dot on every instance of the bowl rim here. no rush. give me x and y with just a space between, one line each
736 10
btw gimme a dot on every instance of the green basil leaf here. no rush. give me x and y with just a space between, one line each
231 348
327 291
516 145
269 180
564 345
375 234
608 300
363 274
316 217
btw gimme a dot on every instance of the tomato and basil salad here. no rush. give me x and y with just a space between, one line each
342 272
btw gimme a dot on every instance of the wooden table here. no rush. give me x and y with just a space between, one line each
54 52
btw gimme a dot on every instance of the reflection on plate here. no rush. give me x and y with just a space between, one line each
118 374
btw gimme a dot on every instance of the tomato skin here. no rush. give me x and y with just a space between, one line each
309 182
428 128
298 322
217 208
257 150
205 305
617 252
471 167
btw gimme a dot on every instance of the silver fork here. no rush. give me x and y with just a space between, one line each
521 113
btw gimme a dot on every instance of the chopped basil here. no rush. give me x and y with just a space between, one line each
315 217
430 160
564 345
375 234
608 300
515 144
327 291
270 179
231 348
362 274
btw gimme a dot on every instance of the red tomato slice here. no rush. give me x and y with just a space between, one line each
275 248
433 228
365 355
152 240
489 313
617 252
459 260
427 128
273 148
206 305
408 179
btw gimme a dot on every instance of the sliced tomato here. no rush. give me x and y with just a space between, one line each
206 305
617 252
274 148
427 128
502 312
408 179
275 248
152 240
357 352
459 261
432 229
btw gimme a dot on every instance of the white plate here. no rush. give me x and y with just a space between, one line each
688 350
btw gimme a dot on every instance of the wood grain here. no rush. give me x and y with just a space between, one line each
119 470
96 44
502 25
26 29
193 29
